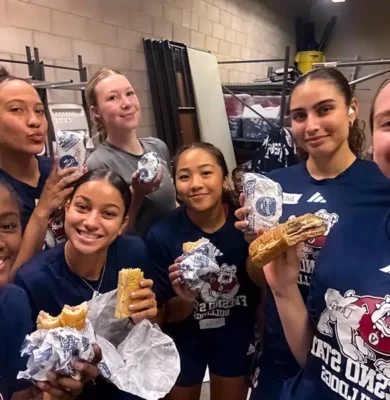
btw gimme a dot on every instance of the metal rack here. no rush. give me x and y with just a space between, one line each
357 63
36 76
282 87
246 147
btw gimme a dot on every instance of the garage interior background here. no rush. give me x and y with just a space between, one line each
111 33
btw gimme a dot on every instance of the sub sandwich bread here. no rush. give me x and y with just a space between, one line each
276 241
71 317
190 246
128 282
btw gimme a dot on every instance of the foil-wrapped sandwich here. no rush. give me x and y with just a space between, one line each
70 149
58 343
198 263
264 198
276 241
148 167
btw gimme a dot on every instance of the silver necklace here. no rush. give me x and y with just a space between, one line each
95 292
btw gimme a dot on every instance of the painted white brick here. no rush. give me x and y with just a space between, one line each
231 35
145 98
219 31
129 39
212 13
138 61
3 13
235 50
62 5
186 19
205 26
199 7
224 47
145 81
58 47
153 8
194 22
92 53
87 8
226 19
116 57
198 40
181 34
212 44
100 32
186 4
173 14
220 4
65 24
115 15
141 22
241 39
135 79
162 28
28 16
15 40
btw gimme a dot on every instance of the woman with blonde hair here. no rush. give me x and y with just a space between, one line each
116 111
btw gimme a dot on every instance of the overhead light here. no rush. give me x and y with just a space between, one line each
338 1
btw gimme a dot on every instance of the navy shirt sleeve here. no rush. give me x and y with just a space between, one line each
161 258
15 317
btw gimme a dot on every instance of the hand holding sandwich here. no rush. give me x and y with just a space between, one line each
135 297
283 272
65 388
180 288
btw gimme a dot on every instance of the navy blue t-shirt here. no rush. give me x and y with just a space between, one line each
231 297
15 324
29 195
50 284
331 199
349 304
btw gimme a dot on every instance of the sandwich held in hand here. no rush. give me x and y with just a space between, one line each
148 167
128 282
70 317
276 241
70 149
198 263
264 198
58 343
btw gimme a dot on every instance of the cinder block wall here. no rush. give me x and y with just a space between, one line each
110 33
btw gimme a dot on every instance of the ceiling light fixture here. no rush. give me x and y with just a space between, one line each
338 1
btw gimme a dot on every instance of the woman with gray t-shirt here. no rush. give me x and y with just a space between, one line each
116 111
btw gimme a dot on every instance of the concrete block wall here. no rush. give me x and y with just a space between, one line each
111 33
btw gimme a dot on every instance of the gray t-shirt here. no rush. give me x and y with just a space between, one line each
156 205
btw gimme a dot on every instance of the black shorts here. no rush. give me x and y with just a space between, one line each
224 350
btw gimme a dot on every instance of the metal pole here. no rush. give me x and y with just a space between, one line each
251 61
336 64
284 87
251 108
49 85
368 77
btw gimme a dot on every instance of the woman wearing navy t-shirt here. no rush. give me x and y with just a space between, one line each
213 327
23 130
342 337
15 313
89 262
331 183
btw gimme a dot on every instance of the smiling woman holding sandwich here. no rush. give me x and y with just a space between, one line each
330 183
88 264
